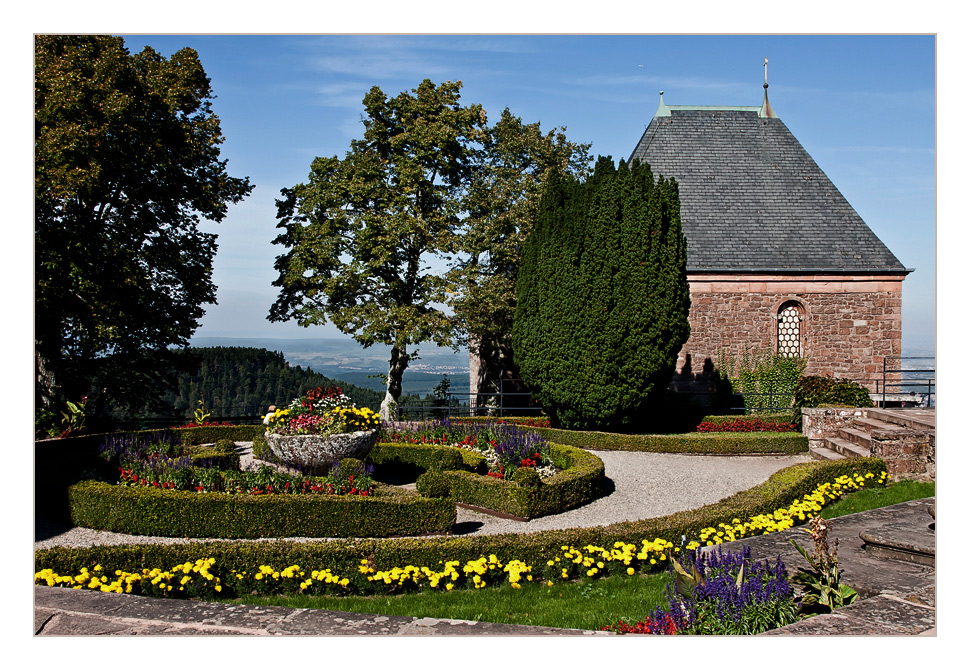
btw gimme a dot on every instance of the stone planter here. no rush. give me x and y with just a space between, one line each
321 450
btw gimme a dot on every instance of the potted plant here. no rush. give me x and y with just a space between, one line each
320 428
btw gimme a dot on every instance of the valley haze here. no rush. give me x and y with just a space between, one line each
347 361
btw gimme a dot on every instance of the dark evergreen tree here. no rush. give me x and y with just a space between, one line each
602 297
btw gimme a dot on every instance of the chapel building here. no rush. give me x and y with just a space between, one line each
777 259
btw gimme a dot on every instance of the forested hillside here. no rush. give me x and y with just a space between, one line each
244 381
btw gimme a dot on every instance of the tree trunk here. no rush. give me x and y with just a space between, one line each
44 387
395 376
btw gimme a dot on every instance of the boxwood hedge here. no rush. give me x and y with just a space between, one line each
684 443
170 513
344 556
581 480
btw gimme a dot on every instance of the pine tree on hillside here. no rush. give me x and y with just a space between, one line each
602 297
244 382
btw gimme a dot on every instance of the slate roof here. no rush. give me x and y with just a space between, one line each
752 199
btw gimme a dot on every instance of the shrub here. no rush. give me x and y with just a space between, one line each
425 457
433 484
745 425
686 443
207 434
526 477
261 448
819 391
602 297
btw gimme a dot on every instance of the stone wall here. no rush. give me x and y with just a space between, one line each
821 422
848 323
909 454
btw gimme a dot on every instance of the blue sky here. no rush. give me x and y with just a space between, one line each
863 106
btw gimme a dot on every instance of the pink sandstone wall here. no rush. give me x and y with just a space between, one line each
849 322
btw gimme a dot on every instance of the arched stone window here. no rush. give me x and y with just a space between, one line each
790 329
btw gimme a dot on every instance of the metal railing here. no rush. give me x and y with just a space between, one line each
919 379
469 405
916 387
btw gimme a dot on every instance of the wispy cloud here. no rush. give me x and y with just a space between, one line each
924 151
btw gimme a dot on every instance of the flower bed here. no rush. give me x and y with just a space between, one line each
390 566
721 593
499 467
505 447
745 425
580 479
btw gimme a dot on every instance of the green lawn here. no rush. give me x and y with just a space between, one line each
590 605
874 498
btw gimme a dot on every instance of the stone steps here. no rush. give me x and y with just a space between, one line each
823 454
847 448
916 419
855 440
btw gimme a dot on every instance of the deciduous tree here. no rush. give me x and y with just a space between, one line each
127 165
502 207
361 232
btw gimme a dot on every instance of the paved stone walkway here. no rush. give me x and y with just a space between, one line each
898 596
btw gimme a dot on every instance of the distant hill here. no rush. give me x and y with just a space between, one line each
245 381
345 359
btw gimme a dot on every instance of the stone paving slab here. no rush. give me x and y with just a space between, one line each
67 612
897 597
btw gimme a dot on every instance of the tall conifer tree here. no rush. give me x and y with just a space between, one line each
602 297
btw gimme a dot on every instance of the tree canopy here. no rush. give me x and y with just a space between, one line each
602 296
127 165
361 231
502 207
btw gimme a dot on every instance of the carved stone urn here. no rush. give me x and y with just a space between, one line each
316 451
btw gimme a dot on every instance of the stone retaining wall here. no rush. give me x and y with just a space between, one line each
819 423
908 453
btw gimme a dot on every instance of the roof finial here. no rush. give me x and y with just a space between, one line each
766 110
662 109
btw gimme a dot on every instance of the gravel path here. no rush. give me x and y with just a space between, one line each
645 485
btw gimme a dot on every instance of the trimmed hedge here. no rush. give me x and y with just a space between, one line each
206 434
781 417
581 480
222 455
169 513
343 556
426 457
685 443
